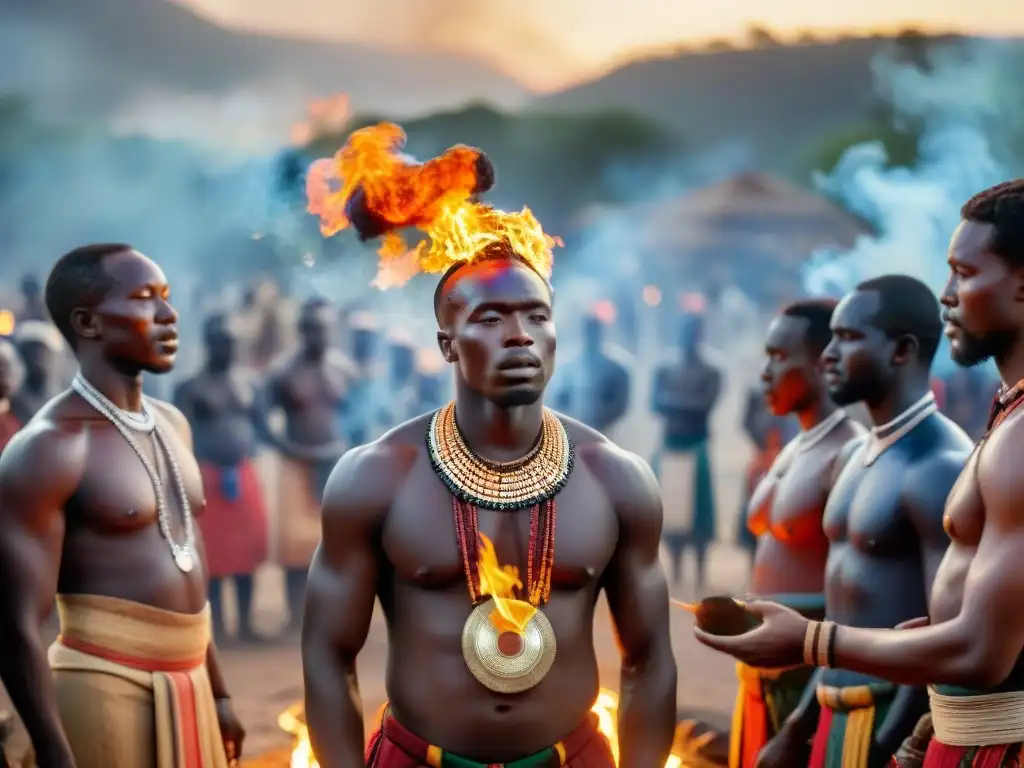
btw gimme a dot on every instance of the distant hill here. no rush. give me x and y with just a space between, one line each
91 55
779 101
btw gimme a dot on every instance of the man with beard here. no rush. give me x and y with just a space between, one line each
786 510
685 394
416 523
310 388
220 405
968 646
96 501
883 520
11 373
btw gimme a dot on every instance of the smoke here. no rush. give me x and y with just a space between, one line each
967 105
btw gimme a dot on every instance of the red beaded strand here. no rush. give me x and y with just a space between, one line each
539 562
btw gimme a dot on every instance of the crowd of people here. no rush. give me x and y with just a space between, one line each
127 512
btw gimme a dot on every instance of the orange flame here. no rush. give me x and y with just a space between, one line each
293 721
435 197
502 582
7 322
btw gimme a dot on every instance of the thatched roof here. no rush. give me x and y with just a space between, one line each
750 216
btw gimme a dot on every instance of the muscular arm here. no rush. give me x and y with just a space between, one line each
979 647
340 595
638 599
927 487
39 471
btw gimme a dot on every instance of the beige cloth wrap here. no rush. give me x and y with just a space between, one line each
297 513
132 686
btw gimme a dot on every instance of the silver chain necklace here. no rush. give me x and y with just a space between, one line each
184 554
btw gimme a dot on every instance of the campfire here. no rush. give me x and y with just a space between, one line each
694 746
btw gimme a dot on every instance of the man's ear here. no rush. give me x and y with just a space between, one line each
83 322
447 346
1018 288
905 349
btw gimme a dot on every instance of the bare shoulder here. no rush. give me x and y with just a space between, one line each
45 460
999 476
174 417
365 480
626 478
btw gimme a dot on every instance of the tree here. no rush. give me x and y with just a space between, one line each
900 146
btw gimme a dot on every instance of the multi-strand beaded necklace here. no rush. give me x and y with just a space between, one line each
530 482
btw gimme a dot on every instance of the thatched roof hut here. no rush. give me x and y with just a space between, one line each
752 230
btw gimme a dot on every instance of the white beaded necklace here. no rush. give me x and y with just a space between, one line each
184 554
806 440
882 439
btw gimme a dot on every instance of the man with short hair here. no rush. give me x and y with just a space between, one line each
883 521
786 510
967 646
432 510
98 498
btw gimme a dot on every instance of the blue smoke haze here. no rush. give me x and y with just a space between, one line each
969 106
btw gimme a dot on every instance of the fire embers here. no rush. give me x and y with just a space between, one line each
372 187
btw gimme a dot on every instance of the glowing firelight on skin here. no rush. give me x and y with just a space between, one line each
651 295
436 197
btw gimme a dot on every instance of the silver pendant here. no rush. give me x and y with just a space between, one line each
184 560
506 662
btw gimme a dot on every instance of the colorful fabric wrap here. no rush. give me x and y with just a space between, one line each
393 745
845 737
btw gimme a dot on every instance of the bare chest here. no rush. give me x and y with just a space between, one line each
865 507
117 494
310 386
217 398
421 544
964 517
790 500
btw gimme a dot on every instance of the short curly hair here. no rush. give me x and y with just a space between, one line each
79 279
1002 206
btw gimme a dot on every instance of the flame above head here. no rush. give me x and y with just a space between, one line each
373 187
502 582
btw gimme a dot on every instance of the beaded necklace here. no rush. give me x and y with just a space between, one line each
530 482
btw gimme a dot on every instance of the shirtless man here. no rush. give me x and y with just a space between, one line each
96 494
393 532
11 374
785 512
685 393
968 648
595 390
41 349
310 388
220 405
883 520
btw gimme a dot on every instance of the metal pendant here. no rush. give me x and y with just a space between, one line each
184 560
507 662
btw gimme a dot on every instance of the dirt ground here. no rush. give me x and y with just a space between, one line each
266 679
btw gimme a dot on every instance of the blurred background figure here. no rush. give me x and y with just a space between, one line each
594 387
42 350
221 406
12 373
685 393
